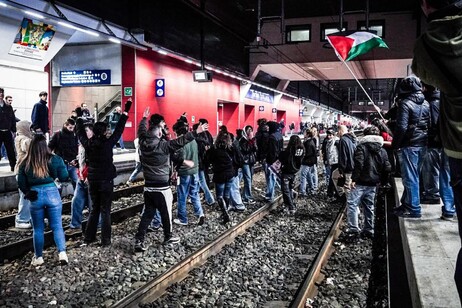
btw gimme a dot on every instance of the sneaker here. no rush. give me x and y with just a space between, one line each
179 222
172 240
63 258
23 225
407 214
37 261
201 220
250 202
72 231
129 182
139 246
153 228
447 217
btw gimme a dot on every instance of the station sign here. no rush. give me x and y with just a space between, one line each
260 94
274 110
85 77
261 108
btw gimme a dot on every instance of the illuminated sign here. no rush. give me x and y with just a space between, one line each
260 95
85 77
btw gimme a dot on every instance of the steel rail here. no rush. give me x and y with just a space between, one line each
156 287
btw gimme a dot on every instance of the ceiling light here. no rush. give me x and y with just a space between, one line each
162 52
89 32
65 24
188 61
3 4
34 14
114 40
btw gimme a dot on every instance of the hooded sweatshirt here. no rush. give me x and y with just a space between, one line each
371 162
437 61
22 142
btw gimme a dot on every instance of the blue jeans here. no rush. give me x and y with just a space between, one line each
48 201
410 159
223 189
234 194
23 215
247 174
455 166
135 172
308 177
203 184
327 173
73 175
189 185
446 191
270 183
365 196
80 200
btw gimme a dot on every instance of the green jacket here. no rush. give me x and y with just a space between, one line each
190 152
56 169
438 61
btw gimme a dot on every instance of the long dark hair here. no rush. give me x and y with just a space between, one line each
38 157
295 143
223 140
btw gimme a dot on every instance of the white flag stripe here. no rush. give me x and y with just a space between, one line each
361 37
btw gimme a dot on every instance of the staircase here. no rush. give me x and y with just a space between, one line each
105 110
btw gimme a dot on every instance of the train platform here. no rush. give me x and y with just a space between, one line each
430 247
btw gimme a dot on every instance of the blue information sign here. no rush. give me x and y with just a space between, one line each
160 87
85 77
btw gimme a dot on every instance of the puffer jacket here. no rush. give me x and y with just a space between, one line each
22 142
437 61
412 122
155 155
371 162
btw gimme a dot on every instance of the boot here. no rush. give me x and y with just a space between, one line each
224 210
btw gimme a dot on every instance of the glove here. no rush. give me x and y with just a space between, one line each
31 195
128 105
79 112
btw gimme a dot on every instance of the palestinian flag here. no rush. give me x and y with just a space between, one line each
350 44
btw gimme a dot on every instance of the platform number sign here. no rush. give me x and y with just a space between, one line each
274 110
128 91
160 87
261 108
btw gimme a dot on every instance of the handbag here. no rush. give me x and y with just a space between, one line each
275 168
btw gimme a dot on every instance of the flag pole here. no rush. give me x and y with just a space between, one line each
364 90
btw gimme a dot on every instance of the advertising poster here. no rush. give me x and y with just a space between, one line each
33 39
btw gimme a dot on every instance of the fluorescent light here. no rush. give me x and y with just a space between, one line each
3 4
65 24
188 61
114 40
34 14
162 52
89 32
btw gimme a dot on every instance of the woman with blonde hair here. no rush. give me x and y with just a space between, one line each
22 143
36 180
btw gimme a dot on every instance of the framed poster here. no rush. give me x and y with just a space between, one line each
33 39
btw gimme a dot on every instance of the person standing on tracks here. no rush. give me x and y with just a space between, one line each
346 152
262 137
7 129
275 146
36 177
291 161
437 60
371 167
330 156
204 142
248 148
189 178
155 158
309 170
101 173
410 138
22 143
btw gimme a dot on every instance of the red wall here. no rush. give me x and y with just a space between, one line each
182 94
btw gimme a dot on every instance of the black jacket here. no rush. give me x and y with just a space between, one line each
262 138
275 143
222 164
248 150
291 162
155 155
346 152
413 119
434 139
311 156
203 140
65 144
7 118
371 162
98 151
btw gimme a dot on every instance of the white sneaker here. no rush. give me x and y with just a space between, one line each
179 222
23 225
63 258
37 261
